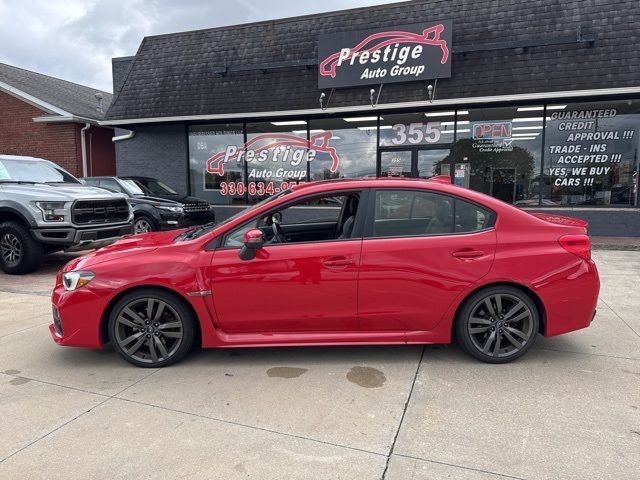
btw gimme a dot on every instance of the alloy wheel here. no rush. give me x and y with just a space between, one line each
142 226
149 330
500 325
10 249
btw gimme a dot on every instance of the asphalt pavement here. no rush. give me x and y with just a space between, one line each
569 409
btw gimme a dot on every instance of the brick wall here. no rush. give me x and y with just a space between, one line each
20 135
58 142
158 151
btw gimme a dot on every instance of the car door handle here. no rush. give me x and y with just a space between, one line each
337 262
467 254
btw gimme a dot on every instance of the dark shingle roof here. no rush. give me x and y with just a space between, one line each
68 96
175 74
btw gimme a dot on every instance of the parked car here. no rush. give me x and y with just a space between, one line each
392 262
43 209
156 213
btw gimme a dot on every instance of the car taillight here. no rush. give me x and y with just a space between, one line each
579 245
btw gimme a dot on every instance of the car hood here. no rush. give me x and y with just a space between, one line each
152 200
181 198
125 247
63 192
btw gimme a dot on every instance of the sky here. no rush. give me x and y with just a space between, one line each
75 40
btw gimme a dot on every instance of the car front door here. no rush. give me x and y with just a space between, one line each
420 250
306 283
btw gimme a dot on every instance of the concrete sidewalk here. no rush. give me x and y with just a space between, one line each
569 409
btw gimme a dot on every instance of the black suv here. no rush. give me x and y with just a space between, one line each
157 212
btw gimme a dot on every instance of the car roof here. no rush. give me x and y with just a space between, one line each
22 157
435 184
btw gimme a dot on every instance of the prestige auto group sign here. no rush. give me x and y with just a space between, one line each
401 54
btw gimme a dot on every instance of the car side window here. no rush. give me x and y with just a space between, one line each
471 217
324 218
400 213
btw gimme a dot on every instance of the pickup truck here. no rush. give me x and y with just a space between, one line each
43 209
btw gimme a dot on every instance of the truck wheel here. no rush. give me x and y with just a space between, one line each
19 252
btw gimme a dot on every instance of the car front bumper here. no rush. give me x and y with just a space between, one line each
74 239
76 317
171 222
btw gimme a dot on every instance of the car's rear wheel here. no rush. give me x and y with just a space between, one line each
144 224
19 252
152 328
497 324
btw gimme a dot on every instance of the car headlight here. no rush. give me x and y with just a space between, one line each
77 279
52 211
171 208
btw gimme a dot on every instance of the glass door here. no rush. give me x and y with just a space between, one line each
396 163
429 162
416 162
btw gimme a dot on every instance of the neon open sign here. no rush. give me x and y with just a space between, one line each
492 131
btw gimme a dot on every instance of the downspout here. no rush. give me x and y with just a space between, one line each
126 136
83 145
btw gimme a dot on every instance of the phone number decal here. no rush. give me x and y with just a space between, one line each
254 188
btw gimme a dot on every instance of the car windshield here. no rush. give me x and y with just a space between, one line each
156 187
132 187
199 231
33 171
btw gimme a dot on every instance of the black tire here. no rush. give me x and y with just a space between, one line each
19 252
144 218
497 324
136 336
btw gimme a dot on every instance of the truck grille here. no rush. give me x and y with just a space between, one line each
196 207
85 212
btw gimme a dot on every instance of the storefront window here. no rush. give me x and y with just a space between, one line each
591 153
212 178
498 152
345 147
417 128
277 156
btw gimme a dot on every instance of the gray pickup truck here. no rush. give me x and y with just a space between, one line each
44 209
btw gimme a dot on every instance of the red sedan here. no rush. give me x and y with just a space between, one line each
346 262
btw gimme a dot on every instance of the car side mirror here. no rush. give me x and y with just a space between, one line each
253 241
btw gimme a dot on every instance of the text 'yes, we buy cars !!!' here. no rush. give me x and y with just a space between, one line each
343 262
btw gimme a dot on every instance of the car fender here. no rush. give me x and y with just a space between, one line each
19 209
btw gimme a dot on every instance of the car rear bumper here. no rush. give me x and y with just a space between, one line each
571 304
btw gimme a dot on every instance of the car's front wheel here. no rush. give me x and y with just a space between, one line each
19 252
152 328
497 324
144 224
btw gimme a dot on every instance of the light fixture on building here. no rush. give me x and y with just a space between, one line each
289 122
539 108
528 119
361 119
529 134
450 113
460 122
533 127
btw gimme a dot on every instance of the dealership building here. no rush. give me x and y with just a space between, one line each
534 102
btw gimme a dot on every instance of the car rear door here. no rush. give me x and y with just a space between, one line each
420 250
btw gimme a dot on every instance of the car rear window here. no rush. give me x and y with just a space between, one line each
401 213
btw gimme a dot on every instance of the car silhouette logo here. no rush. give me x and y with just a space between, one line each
429 36
318 142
